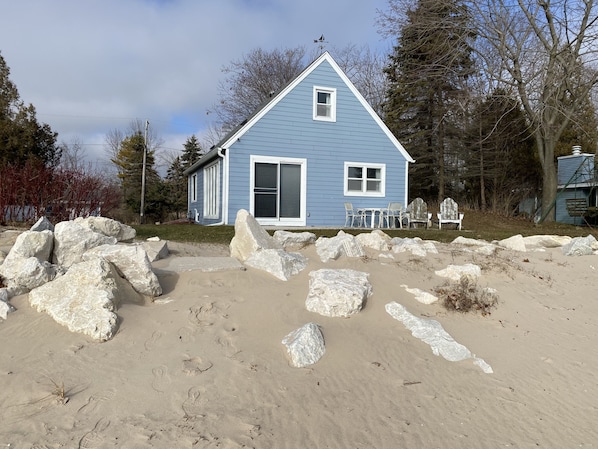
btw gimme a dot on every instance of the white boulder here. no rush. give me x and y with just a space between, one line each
32 244
305 346
343 244
337 293
432 333
515 243
421 295
23 274
546 241
156 249
249 237
277 262
84 299
377 240
43 224
292 241
132 262
580 246
454 272
72 240
108 227
415 246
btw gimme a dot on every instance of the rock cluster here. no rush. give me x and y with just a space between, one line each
78 272
344 292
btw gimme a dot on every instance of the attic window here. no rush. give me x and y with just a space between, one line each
324 104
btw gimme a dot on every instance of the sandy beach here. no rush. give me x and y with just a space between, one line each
203 365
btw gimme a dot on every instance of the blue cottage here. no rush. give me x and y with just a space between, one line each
314 146
576 178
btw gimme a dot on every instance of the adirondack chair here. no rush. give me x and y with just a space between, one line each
417 212
449 213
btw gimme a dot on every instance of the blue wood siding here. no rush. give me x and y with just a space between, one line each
576 169
288 130
561 214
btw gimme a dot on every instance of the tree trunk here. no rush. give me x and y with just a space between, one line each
546 147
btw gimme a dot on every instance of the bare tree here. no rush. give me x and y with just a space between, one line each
547 53
365 68
253 79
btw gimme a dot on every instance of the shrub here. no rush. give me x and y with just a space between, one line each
465 295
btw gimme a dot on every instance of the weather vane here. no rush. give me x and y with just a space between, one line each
321 40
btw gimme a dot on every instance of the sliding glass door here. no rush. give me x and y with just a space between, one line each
278 190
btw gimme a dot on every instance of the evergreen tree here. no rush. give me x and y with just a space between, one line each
176 187
191 152
129 162
22 138
426 72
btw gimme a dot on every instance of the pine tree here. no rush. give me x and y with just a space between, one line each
129 162
191 152
176 187
22 138
426 73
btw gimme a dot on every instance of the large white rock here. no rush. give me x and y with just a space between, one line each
294 240
337 293
454 272
23 274
43 224
156 249
132 262
546 241
108 227
84 299
343 244
249 237
415 246
377 239
72 240
305 346
421 295
32 244
515 243
277 262
432 333
580 246
5 306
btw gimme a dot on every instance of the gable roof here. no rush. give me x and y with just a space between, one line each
240 130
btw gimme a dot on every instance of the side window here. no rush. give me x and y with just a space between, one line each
324 104
193 188
364 179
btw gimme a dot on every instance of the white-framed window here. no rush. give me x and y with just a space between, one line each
211 190
324 104
364 179
193 188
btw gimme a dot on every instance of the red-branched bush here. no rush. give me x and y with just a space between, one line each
33 190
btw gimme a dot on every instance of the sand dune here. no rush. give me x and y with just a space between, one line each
204 367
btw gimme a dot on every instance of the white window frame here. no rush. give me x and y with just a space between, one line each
325 118
211 190
364 192
299 221
193 188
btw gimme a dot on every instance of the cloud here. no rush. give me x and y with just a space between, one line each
91 67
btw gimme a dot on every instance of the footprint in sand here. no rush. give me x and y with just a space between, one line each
94 400
150 344
161 378
94 438
193 405
195 365
203 315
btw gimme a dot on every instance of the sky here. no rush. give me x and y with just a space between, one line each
91 67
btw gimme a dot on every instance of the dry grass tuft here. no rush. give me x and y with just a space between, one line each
466 295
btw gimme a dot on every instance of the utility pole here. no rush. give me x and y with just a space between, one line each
142 211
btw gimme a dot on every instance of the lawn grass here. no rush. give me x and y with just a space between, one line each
476 225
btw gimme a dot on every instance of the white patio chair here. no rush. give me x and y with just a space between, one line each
351 215
449 213
417 212
392 214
